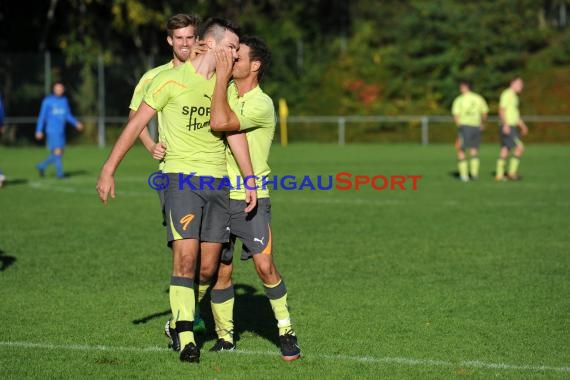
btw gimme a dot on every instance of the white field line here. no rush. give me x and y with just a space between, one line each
348 358
368 202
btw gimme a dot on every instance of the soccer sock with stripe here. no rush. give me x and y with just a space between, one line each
500 173
513 165
58 165
463 169
474 166
183 303
222 301
277 294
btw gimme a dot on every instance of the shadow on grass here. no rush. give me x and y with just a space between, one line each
15 181
150 317
75 173
6 261
252 314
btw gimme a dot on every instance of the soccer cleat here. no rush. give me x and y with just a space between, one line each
500 179
190 353
464 179
514 177
289 348
222 345
2 179
199 325
172 335
41 172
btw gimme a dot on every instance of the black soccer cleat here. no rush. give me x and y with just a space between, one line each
172 335
222 345
290 350
190 353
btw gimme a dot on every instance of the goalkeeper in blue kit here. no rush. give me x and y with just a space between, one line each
54 114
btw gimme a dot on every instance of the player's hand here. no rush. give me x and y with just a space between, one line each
524 130
198 48
482 127
105 186
39 135
79 126
159 151
250 194
506 129
224 63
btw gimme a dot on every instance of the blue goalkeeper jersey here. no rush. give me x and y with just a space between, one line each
55 112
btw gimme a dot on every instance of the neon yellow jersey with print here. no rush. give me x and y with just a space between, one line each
469 108
140 90
184 99
256 114
510 104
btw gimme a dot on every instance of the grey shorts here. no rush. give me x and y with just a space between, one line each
470 137
510 140
196 214
253 229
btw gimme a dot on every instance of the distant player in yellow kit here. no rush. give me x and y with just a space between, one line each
469 112
510 120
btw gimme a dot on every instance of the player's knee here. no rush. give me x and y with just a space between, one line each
207 271
58 151
266 270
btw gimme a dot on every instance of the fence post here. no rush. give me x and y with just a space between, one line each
101 102
341 130
425 130
47 73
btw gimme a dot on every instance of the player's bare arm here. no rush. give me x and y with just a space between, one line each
523 127
106 181
506 128
240 150
222 117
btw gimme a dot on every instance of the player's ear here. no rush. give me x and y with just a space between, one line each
210 42
169 40
255 66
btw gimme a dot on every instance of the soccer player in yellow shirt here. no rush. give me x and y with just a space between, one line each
241 106
197 215
182 30
510 121
469 112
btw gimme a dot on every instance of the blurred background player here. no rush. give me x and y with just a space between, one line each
243 106
181 36
469 112
510 120
54 114
2 177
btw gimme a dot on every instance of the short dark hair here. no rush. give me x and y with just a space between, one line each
258 51
216 26
181 20
466 82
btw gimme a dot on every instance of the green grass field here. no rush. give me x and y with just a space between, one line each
452 280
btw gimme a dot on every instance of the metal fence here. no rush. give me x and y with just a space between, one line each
343 130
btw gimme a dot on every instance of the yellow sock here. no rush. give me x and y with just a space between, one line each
277 294
514 165
182 303
222 301
463 170
202 290
500 173
474 167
